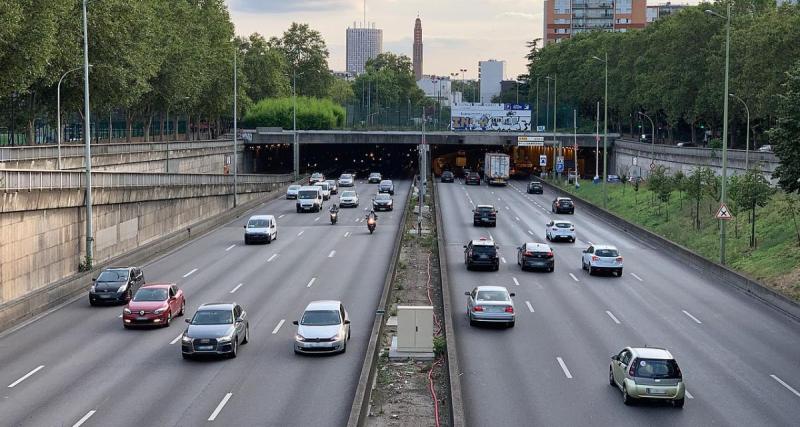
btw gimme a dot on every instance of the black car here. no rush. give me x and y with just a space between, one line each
535 187
448 176
473 178
484 215
535 255
386 186
115 285
382 202
481 253
563 205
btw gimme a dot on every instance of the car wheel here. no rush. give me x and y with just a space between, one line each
583 265
511 324
183 308
247 242
589 269
298 210
611 378
235 349
246 335
469 267
269 239
547 237
125 326
92 303
497 267
472 322
186 356
552 268
169 320
678 403
626 398
572 240
619 273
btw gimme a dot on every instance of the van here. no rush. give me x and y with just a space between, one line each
260 228
309 199
326 189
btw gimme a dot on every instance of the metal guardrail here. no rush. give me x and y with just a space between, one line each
699 152
76 150
27 180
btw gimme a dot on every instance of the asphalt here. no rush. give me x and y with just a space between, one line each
99 373
740 358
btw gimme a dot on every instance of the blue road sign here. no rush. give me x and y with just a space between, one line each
559 167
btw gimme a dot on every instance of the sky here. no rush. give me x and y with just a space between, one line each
456 33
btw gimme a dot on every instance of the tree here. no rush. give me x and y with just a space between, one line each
661 184
312 113
307 56
341 92
755 191
388 81
786 133
266 68
470 89
695 189
679 180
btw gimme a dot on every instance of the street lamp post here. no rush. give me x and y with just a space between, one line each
463 72
747 137
724 127
605 131
235 131
58 113
295 145
653 137
555 115
87 152
537 101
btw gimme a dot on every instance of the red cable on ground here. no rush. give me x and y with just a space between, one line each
438 362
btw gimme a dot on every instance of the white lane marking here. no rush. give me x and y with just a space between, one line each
517 218
229 248
189 273
614 318
503 259
356 220
301 233
689 395
220 406
281 216
692 317
176 339
637 277
573 277
237 287
330 255
530 307
564 367
272 257
516 282
530 232
590 243
490 236
26 376
507 208
788 387
119 317
311 282
277 328
85 417
347 234
317 218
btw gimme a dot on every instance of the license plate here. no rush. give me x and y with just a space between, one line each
656 391
142 319
104 296
204 347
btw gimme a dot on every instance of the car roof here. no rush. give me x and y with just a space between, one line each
316 174
605 247
485 206
157 285
535 245
563 198
217 306
561 221
262 217
310 187
386 181
652 353
484 242
374 173
491 288
117 268
323 305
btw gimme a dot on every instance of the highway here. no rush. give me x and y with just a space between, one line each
78 366
740 358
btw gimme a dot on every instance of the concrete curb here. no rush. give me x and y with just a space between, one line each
718 273
22 311
456 400
359 411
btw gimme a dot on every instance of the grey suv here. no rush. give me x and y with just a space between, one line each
115 285
216 329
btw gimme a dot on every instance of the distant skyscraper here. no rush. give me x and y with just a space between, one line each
418 49
363 44
490 73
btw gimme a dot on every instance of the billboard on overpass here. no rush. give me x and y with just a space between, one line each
490 117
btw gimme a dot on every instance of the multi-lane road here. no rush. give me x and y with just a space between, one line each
740 358
78 366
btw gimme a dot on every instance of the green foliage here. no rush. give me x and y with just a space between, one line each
307 56
312 114
265 68
470 89
439 345
341 92
662 185
786 134
715 144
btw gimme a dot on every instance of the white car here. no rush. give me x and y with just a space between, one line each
326 189
260 228
765 148
324 328
558 229
602 258
333 186
291 192
346 180
348 199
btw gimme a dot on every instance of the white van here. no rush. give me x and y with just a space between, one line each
309 199
260 228
326 189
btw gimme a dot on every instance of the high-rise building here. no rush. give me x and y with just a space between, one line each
660 11
438 88
563 18
490 74
363 44
417 49
782 2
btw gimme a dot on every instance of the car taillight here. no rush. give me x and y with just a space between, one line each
528 253
678 372
549 254
477 308
619 259
509 309
632 369
555 229
595 258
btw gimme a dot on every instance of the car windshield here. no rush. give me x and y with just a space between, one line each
483 249
345 176
307 194
374 175
348 194
606 252
113 276
320 318
151 294
485 209
323 185
294 187
316 175
258 223
383 196
563 225
213 317
656 368
492 296
448 174
386 182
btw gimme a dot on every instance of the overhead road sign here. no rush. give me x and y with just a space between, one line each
530 141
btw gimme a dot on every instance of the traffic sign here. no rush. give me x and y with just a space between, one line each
560 167
543 160
723 213
652 165
530 141
539 128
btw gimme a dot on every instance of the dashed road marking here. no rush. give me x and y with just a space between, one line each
530 307
573 277
637 277
614 318
332 254
85 417
26 376
317 218
516 282
788 387
517 218
530 232
564 367
277 328
176 339
689 395
311 282
272 257
229 248
347 234
281 216
692 317
189 273
220 406
301 233
236 288
507 208
503 259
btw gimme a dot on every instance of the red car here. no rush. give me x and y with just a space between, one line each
154 305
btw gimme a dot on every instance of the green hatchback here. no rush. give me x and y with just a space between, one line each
647 373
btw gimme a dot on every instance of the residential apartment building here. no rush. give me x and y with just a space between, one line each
659 11
490 74
563 18
438 88
363 44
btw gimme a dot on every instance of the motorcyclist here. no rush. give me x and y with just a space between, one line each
334 208
372 215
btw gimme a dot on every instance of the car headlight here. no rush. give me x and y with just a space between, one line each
126 310
91 289
299 337
186 339
228 338
160 310
122 288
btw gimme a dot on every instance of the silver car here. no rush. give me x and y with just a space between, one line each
490 304
348 198
291 192
558 229
346 180
647 373
602 258
216 329
324 328
334 187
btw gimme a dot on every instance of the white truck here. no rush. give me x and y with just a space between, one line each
495 168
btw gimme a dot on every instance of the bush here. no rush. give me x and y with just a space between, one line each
312 114
439 345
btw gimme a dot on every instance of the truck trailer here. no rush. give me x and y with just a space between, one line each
496 168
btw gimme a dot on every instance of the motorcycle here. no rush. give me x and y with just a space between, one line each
334 216
371 225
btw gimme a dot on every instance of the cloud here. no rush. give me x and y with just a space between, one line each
285 6
521 15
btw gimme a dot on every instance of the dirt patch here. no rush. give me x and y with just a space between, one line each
402 394
788 284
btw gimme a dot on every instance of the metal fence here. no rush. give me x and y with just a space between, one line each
694 152
27 180
72 150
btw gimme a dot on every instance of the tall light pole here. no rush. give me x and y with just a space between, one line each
555 116
747 137
87 152
653 137
537 102
235 130
58 113
463 71
295 145
722 222
596 143
605 132
547 118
